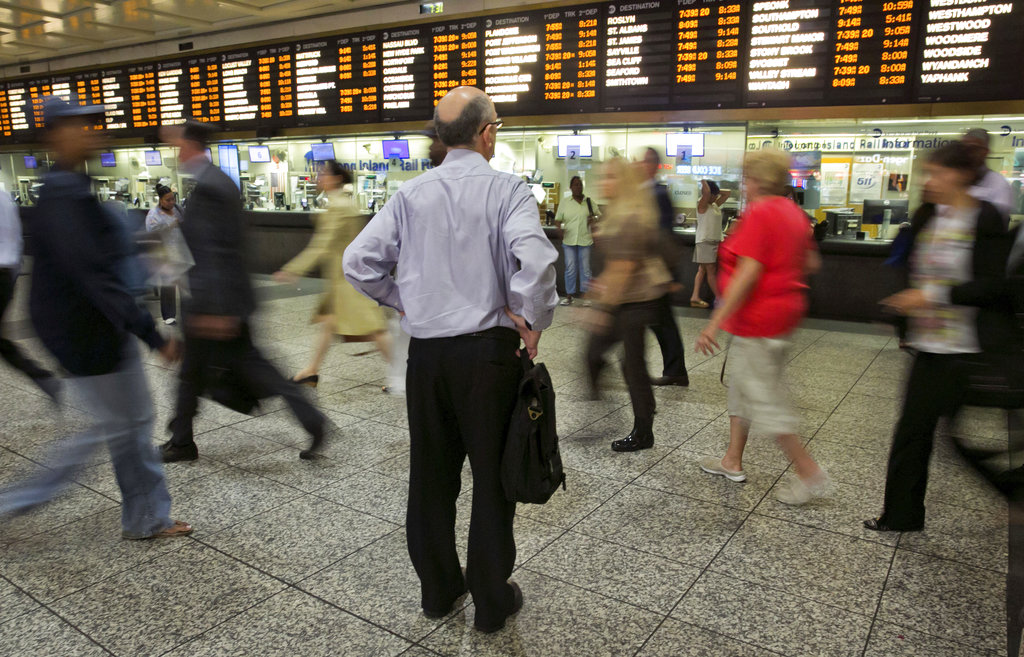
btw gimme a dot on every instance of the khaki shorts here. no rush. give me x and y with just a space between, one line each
757 389
705 253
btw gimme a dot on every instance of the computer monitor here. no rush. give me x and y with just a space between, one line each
108 160
673 140
322 152
575 146
154 159
259 153
243 166
805 161
874 211
227 160
30 162
395 149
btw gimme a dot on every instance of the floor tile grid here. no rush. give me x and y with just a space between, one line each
50 610
298 587
878 606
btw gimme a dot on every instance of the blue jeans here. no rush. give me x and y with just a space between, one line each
577 266
123 409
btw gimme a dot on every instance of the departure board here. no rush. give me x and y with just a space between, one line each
6 128
512 59
789 58
969 50
406 84
239 90
642 55
710 36
143 97
571 59
455 51
873 53
359 78
639 57
275 75
171 91
204 88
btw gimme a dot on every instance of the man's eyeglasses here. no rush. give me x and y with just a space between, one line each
496 123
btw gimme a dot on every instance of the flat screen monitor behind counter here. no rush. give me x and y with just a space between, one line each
154 159
227 160
322 152
874 211
259 153
396 149
30 162
575 146
673 140
108 160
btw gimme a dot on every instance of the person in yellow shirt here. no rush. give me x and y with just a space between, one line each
342 311
575 217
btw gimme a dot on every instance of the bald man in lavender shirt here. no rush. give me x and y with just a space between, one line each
475 276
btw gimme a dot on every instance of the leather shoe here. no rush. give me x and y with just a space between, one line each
316 442
682 381
171 453
517 606
641 437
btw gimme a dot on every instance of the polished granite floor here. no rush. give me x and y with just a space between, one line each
642 555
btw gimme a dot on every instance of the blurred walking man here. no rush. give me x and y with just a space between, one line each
217 313
85 315
475 274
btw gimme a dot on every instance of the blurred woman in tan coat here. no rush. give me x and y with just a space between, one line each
342 311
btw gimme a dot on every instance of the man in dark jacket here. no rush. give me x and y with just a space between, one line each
217 312
85 316
666 330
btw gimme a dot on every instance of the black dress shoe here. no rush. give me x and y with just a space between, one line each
641 437
517 606
312 381
682 381
315 443
171 453
880 525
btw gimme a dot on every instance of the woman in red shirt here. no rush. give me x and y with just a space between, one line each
763 269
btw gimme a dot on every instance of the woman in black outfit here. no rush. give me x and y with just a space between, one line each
956 304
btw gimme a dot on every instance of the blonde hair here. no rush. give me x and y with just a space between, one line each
770 168
633 203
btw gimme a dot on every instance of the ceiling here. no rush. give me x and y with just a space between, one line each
32 30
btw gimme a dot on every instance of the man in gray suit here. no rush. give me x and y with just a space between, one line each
217 313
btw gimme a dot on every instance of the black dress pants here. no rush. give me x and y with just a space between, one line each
667 332
8 350
461 392
240 355
628 326
933 392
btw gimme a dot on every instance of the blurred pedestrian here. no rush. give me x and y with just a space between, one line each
10 267
475 274
221 301
86 318
628 293
709 236
955 305
664 326
342 310
575 217
988 185
764 266
165 217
